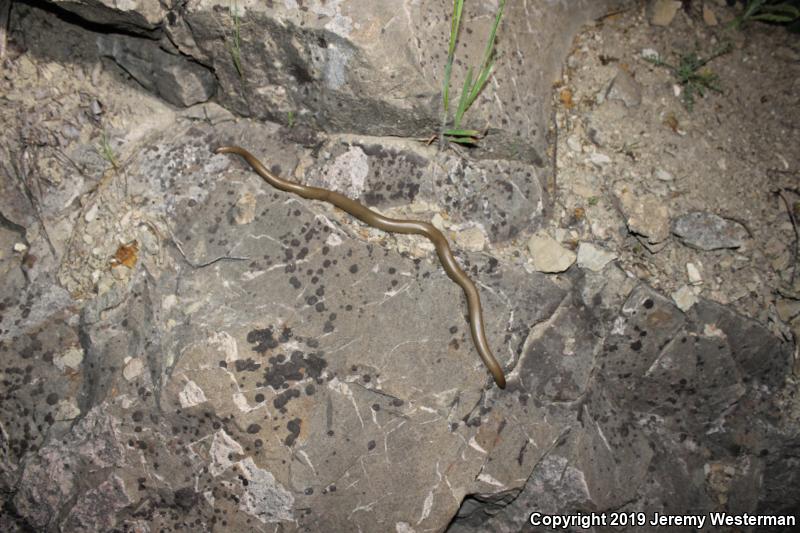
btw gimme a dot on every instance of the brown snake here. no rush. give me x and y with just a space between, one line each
392 225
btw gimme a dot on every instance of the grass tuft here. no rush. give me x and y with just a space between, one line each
105 150
691 74
236 41
776 12
472 86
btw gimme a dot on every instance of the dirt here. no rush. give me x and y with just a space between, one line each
729 155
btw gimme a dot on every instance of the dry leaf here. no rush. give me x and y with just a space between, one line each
127 254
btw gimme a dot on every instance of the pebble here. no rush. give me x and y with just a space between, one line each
662 175
244 212
91 214
133 368
694 274
599 159
684 298
594 257
649 53
645 214
707 231
20 247
471 239
663 11
548 255
625 89
787 309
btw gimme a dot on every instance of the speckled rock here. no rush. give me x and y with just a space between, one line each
707 231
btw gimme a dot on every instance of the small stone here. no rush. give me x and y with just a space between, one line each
133 368
663 11
91 214
694 274
662 175
645 214
67 410
707 231
684 298
548 255
96 107
594 257
574 144
471 239
20 247
625 89
438 222
787 309
244 212
599 159
649 53
709 17
71 359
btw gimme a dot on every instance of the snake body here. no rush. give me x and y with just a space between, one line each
393 225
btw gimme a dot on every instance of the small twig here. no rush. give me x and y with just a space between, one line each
192 264
790 210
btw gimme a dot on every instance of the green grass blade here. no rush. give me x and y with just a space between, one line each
446 88
462 133
481 81
458 8
463 140
462 99
488 63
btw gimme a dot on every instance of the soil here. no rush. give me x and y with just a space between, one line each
730 154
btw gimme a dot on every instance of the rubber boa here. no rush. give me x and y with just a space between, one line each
392 225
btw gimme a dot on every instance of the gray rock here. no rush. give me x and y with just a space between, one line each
707 231
661 12
594 257
548 255
175 78
625 89
139 16
645 214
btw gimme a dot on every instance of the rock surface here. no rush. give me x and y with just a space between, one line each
184 347
707 231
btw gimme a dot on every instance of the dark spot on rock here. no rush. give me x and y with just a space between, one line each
371 445
137 416
310 389
247 365
263 340
648 304
52 399
185 498
259 398
636 346
283 398
294 282
353 269
253 429
294 431
397 402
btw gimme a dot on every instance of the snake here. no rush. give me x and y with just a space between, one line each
392 225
